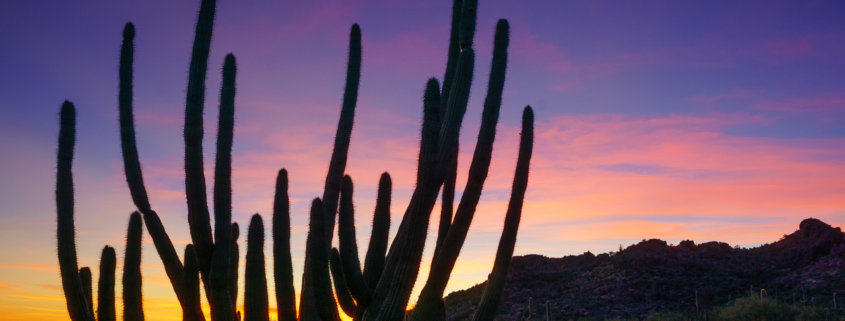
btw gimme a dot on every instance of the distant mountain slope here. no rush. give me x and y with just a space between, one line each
653 276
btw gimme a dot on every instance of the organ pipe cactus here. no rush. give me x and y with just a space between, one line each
256 304
132 298
379 291
105 286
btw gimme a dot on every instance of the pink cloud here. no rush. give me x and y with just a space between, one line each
528 46
796 46
806 105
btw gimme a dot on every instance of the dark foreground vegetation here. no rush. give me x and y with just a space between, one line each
795 278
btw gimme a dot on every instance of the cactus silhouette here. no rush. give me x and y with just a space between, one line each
381 289
255 280
133 309
105 286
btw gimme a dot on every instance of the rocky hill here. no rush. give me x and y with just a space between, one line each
653 276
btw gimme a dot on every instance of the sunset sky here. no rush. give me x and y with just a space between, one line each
717 120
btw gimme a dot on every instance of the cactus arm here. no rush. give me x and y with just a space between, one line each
448 194
71 282
87 288
469 10
282 265
132 167
337 165
429 136
233 265
191 308
222 307
195 188
444 262
105 286
374 261
132 297
349 246
255 280
496 282
344 298
319 274
463 31
452 53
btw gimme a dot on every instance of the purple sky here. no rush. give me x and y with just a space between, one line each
672 119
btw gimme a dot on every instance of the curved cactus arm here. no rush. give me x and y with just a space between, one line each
132 299
354 280
374 261
444 262
341 290
191 308
105 286
71 282
496 281
282 264
87 287
256 303
195 188
132 167
233 265
337 167
222 307
319 268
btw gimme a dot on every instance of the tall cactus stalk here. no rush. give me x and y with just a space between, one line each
496 281
222 306
349 246
374 262
319 273
198 217
337 167
87 287
256 303
132 299
71 281
105 286
233 265
282 265
192 286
